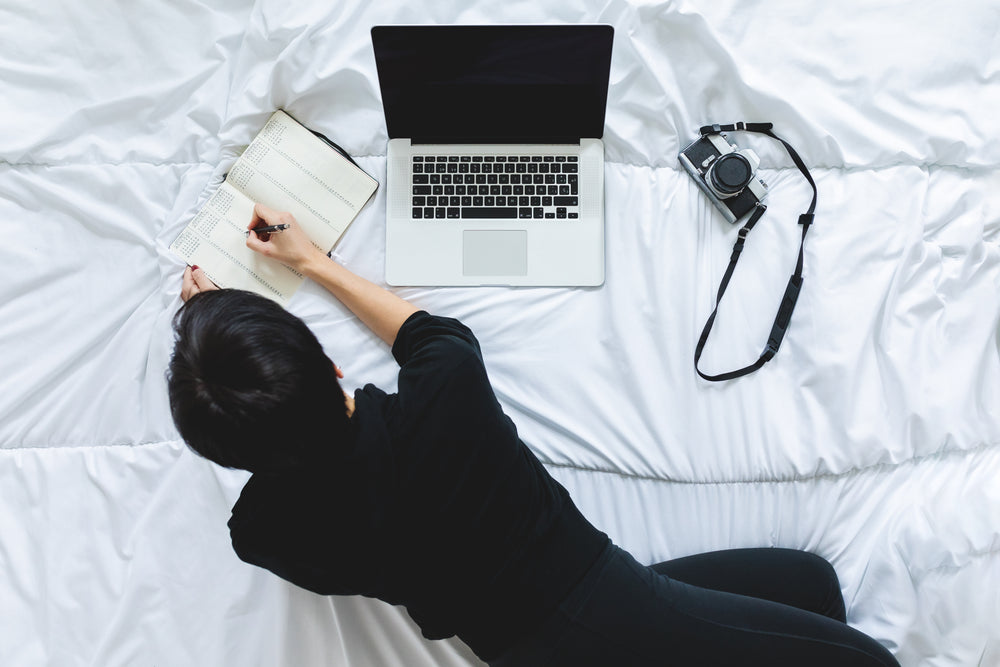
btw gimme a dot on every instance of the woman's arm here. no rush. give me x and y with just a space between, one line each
382 311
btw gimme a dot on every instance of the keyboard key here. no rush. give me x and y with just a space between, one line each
465 158
421 189
452 158
428 213
418 168
489 212
418 158
524 213
548 158
538 212
453 213
574 215
565 201
573 158
570 168
419 201
420 178
560 158
560 212
439 213
418 213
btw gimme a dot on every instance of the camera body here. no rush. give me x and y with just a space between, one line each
726 173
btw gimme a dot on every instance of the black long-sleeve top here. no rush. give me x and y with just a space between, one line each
433 503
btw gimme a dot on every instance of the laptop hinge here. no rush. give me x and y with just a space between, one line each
494 140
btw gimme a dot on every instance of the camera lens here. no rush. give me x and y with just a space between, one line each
731 173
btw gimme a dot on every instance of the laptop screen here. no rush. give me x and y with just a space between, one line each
494 84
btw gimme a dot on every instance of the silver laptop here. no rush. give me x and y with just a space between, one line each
495 171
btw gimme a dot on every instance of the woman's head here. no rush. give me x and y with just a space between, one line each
250 386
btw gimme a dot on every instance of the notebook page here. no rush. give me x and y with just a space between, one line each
289 169
215 240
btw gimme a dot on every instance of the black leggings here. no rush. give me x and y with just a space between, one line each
773 607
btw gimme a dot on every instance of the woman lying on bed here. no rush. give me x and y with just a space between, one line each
427 498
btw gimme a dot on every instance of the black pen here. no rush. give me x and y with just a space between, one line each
272 229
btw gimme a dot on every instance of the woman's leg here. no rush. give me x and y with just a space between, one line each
634 616
788 576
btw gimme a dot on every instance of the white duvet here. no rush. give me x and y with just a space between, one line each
872 439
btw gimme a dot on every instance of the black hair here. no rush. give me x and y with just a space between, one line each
250 386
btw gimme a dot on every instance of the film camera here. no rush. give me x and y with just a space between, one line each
726 173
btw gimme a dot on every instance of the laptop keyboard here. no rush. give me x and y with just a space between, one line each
525 187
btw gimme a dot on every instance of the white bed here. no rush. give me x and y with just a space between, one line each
872 439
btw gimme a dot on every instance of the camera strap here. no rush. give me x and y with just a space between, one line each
791 295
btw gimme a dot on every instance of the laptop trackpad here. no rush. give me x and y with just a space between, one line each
495 253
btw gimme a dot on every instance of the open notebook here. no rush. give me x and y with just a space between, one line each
288 168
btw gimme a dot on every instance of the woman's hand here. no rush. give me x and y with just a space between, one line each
195 281
291 247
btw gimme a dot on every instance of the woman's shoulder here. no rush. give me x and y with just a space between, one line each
423 331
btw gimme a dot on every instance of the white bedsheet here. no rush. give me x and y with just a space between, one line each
872 439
